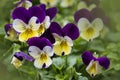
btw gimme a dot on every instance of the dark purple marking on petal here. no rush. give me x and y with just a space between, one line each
22 55
47 34
21 13
56 28
38 12
43 6
71 30
39 42
82 13
87 57
51 12
44 65
104 62
7 28
63 53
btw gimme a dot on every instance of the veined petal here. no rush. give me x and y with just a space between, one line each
104 62
87 57
43 61
19 25
69 40
98 24
51 12
83 24
48 50
38 12
93 68
34 51
71 30
34 23
24 36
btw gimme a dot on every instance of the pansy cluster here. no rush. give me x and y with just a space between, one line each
45 38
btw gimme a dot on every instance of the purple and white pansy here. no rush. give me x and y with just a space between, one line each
94 64
63 37
41 50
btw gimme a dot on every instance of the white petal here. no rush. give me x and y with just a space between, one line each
57 37
48 50
83 24
28 4
82 5
38 63
19 25
69 40
98 24
34 51
33 24
47 22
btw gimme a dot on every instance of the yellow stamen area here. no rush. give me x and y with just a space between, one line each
60 47
88 33
41 29
28 34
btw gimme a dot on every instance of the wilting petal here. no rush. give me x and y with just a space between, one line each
104 62
38 12
19 25
21 13
93 68
56 28
98 24
34 51
39 42
87 57
28 34
48 50
83 13
71 30
51 12
34 23
43 61
83 24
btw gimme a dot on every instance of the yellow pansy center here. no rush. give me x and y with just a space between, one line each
43 57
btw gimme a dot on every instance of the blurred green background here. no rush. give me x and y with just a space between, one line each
111 8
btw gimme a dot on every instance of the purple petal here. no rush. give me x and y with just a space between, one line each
87 57
8 27
39 42
43 6
22 55
71 30
47 34
21 13
82 13
51 12
56 28
38 12
104 62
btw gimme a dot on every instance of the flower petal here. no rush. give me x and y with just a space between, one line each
38 12
48 50
71 30
87 57
34 51
43 6
104 62
69 40
51 12
19 25
28 4
43 62
7 28
47 22
34 23
82 13
56 28
39 42
24 36
21 13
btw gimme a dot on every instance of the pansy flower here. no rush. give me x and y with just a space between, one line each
24 3
27 22
18 59
94 64
11 34
63 37
41 50
49 2
88 30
